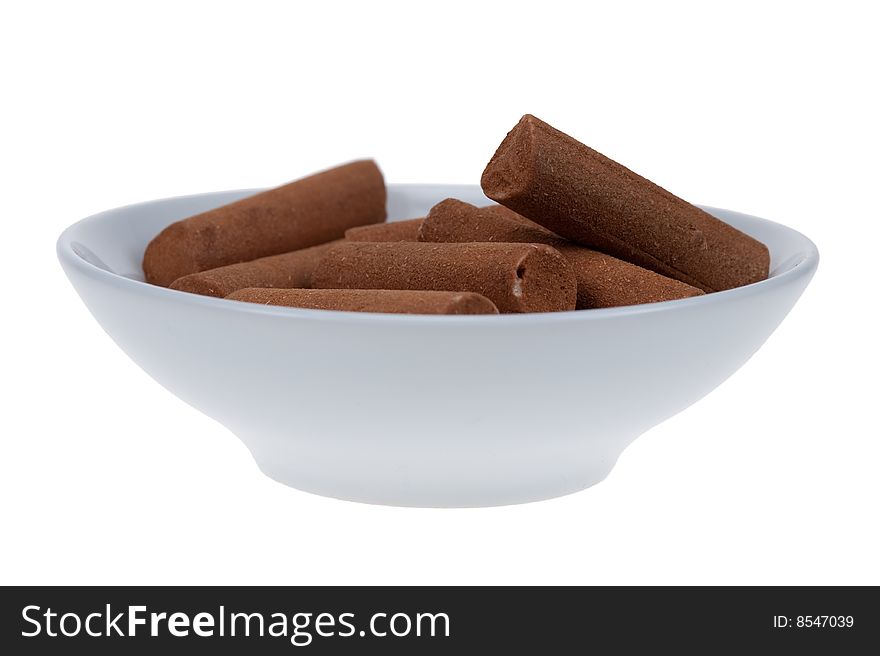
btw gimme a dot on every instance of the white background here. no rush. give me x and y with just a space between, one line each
767 108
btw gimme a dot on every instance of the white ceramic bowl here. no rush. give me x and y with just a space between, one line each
426 410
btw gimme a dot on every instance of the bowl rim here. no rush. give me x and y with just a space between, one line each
803 268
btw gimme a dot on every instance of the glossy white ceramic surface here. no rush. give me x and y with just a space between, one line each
426 410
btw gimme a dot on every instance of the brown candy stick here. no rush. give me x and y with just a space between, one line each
283 271
516 277
394 231
602 280
508 213
371 300
310 211
582 195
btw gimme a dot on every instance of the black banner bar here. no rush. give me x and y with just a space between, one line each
437 620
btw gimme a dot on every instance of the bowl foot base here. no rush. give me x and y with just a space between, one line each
451 492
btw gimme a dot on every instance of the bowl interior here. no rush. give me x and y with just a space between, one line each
114 241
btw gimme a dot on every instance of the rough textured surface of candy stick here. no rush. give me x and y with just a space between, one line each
602 280
516 277
582 195
283 271
453 217
508 213
394 231
310 211
371 300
